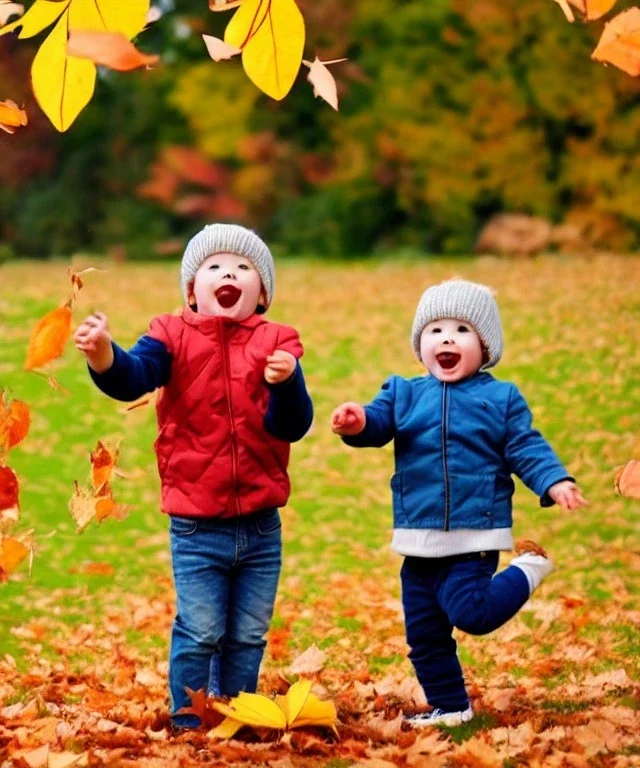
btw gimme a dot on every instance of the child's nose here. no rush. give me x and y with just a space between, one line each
229 276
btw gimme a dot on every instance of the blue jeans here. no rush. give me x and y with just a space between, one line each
439 594
226 576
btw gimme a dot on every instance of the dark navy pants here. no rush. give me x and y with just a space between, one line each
439 594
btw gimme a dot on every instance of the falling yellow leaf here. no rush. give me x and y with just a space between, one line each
620 42
271 36
41 15
48 338
627 480
110 49
63 85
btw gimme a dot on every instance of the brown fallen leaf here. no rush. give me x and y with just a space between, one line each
324 84
110 49
627 480
218 49
620 42
309 662
11 116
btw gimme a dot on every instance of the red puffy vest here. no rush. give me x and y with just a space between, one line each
215 457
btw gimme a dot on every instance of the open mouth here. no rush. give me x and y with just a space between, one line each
448 360
228 295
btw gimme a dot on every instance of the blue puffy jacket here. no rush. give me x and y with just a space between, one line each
456 446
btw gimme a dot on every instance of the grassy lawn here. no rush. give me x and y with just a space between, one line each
571 344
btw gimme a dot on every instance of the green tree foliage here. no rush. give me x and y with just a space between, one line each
451 111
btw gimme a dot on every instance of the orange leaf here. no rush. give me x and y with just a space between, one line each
627 480
593 9
9 492
111 49
48 338
15 420
620 42
103 461
12 552
106 507
11 116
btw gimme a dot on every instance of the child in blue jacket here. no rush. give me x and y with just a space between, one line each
459 435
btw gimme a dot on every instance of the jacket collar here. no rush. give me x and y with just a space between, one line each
207 322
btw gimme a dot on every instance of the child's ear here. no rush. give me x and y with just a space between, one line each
262 303
191 298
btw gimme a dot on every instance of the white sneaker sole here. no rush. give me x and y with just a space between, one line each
450 719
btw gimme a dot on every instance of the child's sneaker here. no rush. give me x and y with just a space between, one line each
533 561
438 717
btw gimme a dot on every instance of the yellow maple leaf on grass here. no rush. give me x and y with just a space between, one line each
298 708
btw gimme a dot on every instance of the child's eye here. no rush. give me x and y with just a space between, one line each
243 266
463 329
435 330
213 266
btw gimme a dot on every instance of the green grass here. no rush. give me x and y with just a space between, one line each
571 345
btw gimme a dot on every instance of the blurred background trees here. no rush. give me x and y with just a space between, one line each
451 112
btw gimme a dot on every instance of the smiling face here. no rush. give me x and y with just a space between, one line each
451 350
227 285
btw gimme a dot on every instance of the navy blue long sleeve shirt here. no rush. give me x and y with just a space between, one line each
147 366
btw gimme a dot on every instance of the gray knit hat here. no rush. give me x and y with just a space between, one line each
228 238
461 300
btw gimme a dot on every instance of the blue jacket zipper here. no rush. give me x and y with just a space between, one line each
444 457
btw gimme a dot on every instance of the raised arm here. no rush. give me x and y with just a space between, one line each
528 454
376 420
120 374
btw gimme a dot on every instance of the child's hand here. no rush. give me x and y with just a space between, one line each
93 339
567 495
280 366
348 419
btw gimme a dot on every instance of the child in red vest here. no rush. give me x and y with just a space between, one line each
232 399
